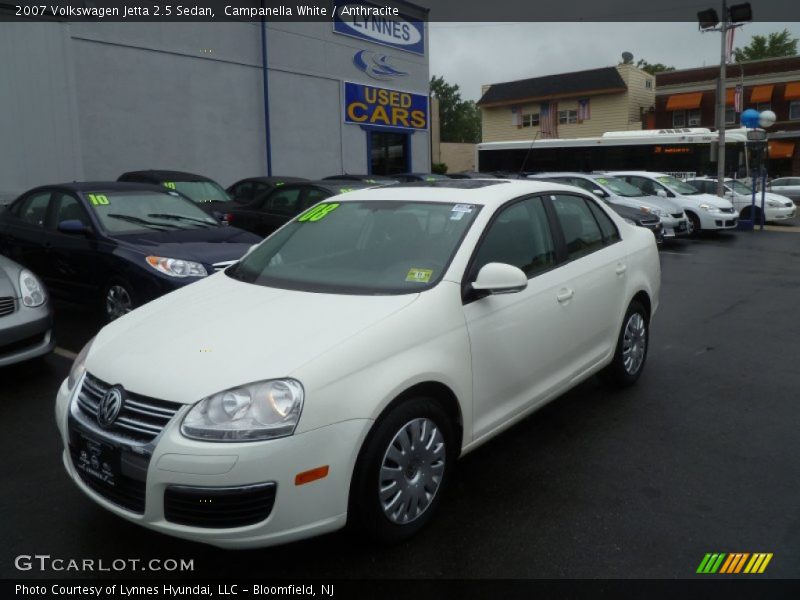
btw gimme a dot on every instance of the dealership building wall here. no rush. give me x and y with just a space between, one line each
89 101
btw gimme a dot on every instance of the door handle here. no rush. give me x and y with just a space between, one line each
564 295
621 268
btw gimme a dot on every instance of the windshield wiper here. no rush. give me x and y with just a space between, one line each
145 222
182 218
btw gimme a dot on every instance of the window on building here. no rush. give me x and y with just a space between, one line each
730 115
567 116
389 153
694 118
762 106
530 120
648 83
794 110
678 118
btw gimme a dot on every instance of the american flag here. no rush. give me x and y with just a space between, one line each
548 115
584 110
737 98
729 43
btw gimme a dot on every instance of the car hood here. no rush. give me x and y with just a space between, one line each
218 244
220 333
653 202
774 196
709 199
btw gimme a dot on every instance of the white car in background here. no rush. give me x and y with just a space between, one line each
377 337
618 191
705 211
776 207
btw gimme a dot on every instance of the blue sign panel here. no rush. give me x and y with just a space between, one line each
355 20
368 105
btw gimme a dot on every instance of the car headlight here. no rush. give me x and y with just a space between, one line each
176 267
78 366
654 211
258 411
774 203
31 288
709 208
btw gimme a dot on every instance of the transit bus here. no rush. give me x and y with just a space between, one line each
688 152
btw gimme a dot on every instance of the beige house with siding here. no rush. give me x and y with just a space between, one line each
568 105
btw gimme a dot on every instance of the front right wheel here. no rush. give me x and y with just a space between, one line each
631 350
402 470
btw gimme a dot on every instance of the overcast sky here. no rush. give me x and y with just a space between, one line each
472 54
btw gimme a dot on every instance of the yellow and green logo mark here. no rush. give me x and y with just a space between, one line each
736 562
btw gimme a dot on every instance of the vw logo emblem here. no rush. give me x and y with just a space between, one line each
110 406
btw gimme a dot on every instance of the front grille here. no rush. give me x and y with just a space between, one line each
649 222
224 265
125 491
677 215
141 418
730 222
219 508
8 305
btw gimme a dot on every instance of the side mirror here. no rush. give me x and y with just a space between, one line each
661 193
500 278
73 226
599 193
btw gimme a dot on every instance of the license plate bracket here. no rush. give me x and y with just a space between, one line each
97 459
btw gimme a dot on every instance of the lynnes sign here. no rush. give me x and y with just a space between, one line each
395 31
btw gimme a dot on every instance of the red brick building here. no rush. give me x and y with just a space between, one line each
687 98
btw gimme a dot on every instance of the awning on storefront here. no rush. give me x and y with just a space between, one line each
684 101
792 91
761 93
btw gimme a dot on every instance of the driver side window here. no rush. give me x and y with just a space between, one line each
519 236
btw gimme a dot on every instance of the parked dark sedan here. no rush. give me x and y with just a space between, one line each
116 244
409 177
205 192
270 211
245 191
373 179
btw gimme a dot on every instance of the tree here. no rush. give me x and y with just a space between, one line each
459 120
653 68
778 43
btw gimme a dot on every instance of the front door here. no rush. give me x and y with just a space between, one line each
389 153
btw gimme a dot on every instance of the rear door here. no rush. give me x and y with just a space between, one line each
279 206
23 231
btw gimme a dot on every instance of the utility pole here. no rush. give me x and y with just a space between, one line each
723 60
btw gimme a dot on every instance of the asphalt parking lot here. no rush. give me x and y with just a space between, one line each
700 456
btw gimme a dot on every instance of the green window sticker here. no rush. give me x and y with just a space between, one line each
280 183
169 184
345 190
319 212
419 275
98 199
430 179
602 180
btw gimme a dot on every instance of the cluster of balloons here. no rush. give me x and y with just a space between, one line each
752 118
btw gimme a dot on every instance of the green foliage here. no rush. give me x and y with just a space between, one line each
654 67
439 168
774 45
459 120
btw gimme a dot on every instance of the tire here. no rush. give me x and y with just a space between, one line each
694 223
631 351
389 460
118 299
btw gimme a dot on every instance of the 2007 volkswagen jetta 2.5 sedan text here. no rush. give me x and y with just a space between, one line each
364 347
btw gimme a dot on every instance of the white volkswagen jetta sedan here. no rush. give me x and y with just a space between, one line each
357 353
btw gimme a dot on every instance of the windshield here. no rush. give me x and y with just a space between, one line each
620 187
738 187
129 212
369 247
677 185
200 191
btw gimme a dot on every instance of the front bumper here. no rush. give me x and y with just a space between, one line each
26 334
780 213
171 460
718 221
675 227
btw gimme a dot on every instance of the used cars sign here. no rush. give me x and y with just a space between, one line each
363 22
368 105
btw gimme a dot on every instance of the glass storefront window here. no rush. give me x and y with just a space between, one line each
388 153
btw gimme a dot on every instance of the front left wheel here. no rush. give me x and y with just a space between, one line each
402 470
118 300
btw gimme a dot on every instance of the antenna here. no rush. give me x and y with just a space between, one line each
627 58
527 154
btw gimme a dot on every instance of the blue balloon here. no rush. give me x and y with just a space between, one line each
749 118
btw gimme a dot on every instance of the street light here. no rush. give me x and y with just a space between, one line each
709 21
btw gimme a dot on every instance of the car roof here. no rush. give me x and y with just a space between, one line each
272 179
489 192
163 175
568 174
334 185
104 186
642 173
359 177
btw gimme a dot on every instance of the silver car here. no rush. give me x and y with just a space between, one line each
786 186
26 317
